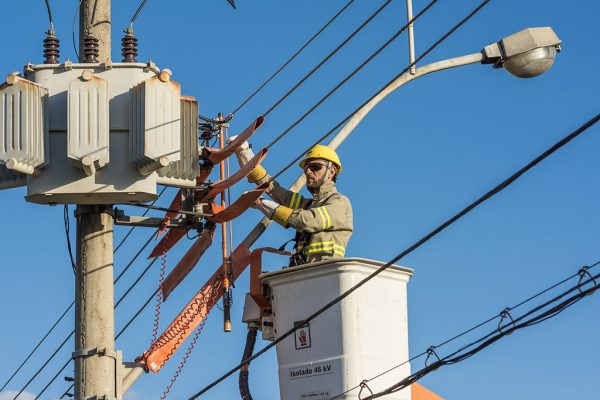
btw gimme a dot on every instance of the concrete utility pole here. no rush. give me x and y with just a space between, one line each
94 19
96 362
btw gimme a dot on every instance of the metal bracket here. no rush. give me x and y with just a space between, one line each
149 222
83 210
97 397
100 352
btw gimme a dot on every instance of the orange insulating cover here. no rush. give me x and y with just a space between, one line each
188 262
204 173
256 270
175 205
239 206
168 241
418 392
221 186
215 156
193 313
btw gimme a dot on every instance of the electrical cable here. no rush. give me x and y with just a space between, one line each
354 72
73 29
425 53
67 229
73 303
412 248
73 332
50 15
238 108
331 54
497 334
143 215
479 325
137 12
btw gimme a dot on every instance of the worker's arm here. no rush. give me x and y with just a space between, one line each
335 214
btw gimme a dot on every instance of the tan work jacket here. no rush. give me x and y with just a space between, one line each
325 221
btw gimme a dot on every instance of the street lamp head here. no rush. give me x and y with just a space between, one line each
525 54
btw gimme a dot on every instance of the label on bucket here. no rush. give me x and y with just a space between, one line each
311 370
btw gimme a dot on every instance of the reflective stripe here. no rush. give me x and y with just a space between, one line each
295 201
328 217
319 247
323 217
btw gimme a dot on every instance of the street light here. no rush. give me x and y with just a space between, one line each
525 54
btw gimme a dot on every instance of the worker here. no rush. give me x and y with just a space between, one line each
323 223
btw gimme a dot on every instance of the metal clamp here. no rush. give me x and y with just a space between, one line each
583 272
364 385
505 314
100 352
83 210
431 352
97 397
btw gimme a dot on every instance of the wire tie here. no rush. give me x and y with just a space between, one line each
430 352
583 272
364 385
505 314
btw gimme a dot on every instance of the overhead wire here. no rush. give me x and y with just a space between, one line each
503 185
73 303
137 12
73 29
354 72
419 58
327 58
285 64
131 287
49 14
502 331
67 234
475 327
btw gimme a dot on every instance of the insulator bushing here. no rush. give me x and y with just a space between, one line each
90 49
51 49
129 49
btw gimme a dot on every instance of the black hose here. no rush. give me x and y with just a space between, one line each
248 350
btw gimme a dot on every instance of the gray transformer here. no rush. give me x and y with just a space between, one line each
96 133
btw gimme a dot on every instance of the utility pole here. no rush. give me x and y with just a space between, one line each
96 362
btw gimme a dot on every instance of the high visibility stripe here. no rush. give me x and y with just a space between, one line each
298 200
328 217
294 195
323 217
319 247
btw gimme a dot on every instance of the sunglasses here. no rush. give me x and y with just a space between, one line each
315 167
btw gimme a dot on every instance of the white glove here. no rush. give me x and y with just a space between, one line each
244 153
267 207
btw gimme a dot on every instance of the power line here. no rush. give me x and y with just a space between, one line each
67 229
425 53
138 11
504 330
49 14
73 332
331 54
356 70
580 273
416 245
73 303
238 108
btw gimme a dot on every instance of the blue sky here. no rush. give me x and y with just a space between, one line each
423 154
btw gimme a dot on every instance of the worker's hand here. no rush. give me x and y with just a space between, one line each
244 153
265 206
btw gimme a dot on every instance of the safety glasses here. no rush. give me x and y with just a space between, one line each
314 167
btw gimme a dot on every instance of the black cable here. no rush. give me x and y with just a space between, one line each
238 108
49 14
143 215
331 54
244 372
36 347
413 247
497 334
137 12
479 325
73 332
73 29
356 70
431 48
67 229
